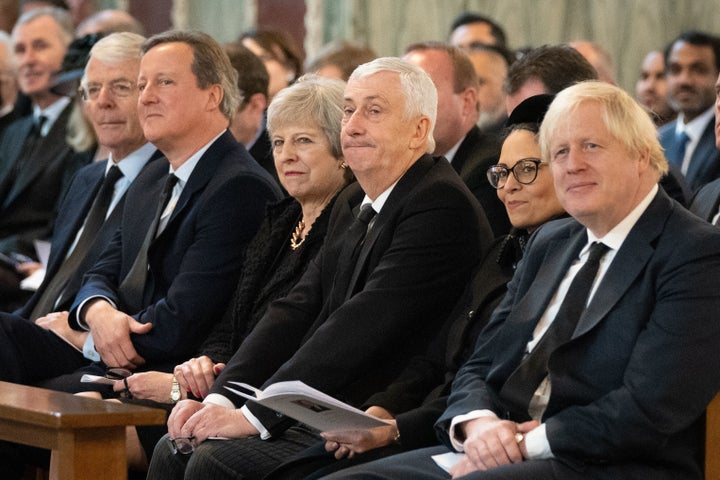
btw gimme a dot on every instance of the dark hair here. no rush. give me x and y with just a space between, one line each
698 38
464 74
467 18
274 43
210 65
504 52
556 66
252 75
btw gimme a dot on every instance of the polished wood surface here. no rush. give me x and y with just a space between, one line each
87 434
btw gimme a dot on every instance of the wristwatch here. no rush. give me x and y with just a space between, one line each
175 391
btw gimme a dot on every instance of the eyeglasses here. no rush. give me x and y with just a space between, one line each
525 171
118 88
182 445
117 373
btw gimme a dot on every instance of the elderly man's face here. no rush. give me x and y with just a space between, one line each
39 51
376 136
172 106
111 105
596 179
691 78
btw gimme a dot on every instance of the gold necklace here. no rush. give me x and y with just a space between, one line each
297 239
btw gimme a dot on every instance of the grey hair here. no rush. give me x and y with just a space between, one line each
310 99
117 48
61 17
417 87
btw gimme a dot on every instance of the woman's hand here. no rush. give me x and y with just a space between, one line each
197 375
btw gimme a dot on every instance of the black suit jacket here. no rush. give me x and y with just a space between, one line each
73 210
478 152
631 386
705 162
412 268
195 262
707 201
28 209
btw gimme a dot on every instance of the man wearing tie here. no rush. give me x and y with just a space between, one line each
35 160
706 203
171 267
693 64
600 360
91 209
400 247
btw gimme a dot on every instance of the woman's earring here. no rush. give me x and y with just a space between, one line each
343 165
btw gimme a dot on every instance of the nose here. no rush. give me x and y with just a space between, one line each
146 95
105 98
285 152
352 124
511 183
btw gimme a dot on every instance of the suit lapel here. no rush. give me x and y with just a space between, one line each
406 183
705 154
628 263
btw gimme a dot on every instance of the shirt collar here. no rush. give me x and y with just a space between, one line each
50 113
185 170
695 128
615 237
450 154
379 202
131 165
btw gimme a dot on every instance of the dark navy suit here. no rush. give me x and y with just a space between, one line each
705 162
193 265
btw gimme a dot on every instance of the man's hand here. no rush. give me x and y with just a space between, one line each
153 386
490 442
58 323
28 268
111 330
197 375
202 420
350 442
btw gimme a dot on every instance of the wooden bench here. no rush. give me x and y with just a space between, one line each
712 440
87 434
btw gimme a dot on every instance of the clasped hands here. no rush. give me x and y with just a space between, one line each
490 442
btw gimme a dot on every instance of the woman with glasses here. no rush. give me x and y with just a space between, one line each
417 398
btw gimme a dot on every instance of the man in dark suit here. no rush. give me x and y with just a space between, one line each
456 134
111 106
693 63
171 267
35 161
375 295
605 380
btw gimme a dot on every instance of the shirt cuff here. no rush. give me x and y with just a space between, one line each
455 439
264 434
537 444
81 320
89 351
217 399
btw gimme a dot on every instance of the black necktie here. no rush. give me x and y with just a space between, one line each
520 386
53 294
354 239
132 288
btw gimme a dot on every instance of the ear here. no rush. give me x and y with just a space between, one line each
643 161
422 130
215 96
470 101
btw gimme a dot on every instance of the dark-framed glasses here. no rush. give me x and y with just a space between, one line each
182 445
118 88
116 373
525 171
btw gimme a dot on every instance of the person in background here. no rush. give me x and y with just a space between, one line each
491 64
692 61
36 163
598 57
651 88
8 82
469 27
109 21
339 59
282 58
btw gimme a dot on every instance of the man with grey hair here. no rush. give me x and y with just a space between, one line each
400 247
601 359
35 160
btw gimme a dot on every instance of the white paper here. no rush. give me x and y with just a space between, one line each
42 249
96 379
447 460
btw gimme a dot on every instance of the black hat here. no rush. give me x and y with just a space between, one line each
530 110
67 79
